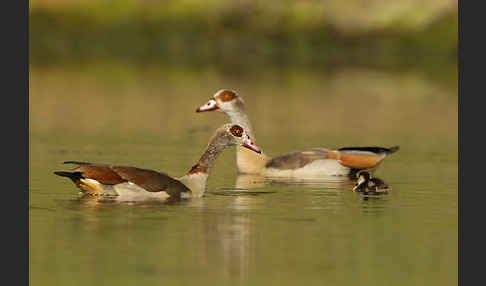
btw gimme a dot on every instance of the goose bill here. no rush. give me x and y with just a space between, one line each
209 106
248 144
360 181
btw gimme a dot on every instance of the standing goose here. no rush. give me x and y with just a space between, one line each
312 162
135 184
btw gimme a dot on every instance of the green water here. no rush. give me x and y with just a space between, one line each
245 230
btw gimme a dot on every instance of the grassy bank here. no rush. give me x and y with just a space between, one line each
244 34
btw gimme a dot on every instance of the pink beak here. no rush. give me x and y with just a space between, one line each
209 106
249 144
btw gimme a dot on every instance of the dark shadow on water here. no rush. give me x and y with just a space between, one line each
374 205
373 195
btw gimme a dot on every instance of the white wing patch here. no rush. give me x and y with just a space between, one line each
132 192
127 191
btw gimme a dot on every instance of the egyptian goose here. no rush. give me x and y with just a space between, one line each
368 185
134 184
315 162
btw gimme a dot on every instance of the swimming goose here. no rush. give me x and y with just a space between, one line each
368 185
315 162
135 184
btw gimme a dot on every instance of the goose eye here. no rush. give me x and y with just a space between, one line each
236 131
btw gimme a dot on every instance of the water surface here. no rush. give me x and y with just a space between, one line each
246 230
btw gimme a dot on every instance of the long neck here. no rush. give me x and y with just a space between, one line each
238 116
197 176
208 158
247 161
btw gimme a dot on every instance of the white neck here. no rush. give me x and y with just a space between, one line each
196 182
239 117
247 161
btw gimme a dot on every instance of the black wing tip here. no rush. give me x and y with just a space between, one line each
372 149
72 175
393 149
76 162
63 174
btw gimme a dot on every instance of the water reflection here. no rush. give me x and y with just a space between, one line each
247 229
249 181
225 225
330 182
201 229
253 181
368 186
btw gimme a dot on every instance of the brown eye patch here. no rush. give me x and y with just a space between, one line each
226 95
236 130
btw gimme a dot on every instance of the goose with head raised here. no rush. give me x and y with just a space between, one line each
134 184
314 162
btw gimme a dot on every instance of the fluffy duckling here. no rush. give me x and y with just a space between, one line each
368 185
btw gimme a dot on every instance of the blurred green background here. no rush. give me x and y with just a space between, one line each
246 34
118 82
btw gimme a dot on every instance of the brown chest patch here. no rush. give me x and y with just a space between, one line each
197 169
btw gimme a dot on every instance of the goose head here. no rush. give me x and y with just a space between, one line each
224 100
233 134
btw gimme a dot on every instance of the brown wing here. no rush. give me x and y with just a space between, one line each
150 180
101 173
298 159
